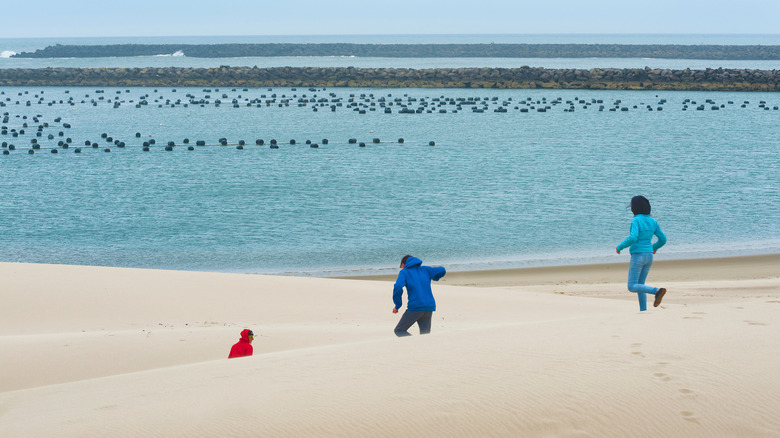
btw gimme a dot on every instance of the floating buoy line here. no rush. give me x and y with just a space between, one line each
361 103
148 146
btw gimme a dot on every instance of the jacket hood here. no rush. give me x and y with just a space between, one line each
245 335
412 261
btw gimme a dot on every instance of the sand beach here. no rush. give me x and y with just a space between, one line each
543 352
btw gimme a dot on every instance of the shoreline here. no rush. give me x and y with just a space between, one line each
693 269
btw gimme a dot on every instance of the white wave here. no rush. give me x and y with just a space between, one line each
176 53
7 54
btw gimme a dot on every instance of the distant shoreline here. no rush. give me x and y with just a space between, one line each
667 51
477 78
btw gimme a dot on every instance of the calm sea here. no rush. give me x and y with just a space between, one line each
498 189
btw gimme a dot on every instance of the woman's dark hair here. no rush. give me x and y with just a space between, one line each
640 205
403 260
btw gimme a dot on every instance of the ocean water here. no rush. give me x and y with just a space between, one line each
498 189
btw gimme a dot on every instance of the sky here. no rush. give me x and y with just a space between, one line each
104 18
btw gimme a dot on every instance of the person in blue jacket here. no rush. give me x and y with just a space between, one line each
643 228
420 304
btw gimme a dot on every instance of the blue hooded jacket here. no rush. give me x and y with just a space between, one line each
417 280
643 228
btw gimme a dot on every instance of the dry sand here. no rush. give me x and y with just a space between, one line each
89 351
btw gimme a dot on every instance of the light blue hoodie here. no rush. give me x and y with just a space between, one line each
643 227
417 280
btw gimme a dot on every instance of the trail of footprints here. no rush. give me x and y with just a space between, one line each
663 377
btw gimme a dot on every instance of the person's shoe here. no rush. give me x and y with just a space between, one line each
659 296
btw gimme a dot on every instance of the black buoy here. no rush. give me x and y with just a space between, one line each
274 146
376 140
200 143
54 151
431 143
314 145
241 143
239 147
292 141
168 148
400 140
170 143
77 150
137 134
362 144
324 141
190 148
145 149
352 140
106 150
5 152
186 141
259 142
30 152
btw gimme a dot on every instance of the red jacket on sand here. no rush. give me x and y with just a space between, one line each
243 347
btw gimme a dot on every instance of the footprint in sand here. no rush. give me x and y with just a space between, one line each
691 317
755 323
686 391
689 416
663 377
773 302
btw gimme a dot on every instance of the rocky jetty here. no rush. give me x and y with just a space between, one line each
500 78
669 51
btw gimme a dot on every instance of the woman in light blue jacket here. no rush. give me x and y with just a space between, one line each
643 228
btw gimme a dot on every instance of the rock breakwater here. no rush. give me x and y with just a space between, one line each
498 78
668 51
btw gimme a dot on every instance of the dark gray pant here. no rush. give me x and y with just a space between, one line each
421 317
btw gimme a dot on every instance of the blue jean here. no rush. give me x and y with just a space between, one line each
638 269
422 318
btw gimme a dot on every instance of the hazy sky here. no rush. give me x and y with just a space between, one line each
62 18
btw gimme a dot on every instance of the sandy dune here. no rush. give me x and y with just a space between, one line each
90 351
